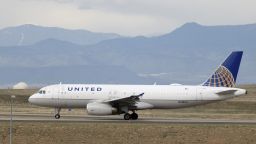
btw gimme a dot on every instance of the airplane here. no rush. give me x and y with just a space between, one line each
100 99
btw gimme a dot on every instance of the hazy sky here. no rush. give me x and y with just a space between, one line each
126 17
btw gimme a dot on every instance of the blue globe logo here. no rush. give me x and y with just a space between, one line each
221 78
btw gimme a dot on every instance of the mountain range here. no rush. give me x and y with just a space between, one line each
187 55
30 34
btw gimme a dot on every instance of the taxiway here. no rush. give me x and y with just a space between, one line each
119 119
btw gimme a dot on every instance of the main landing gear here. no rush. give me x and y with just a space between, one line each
133 116
57 116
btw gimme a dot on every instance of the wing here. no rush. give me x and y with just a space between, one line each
126 101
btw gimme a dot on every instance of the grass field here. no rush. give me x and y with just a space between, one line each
126 133
243 107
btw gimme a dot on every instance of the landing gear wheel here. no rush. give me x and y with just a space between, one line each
57 116
57 111
127 116
134 116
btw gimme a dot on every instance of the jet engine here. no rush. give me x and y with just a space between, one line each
97 108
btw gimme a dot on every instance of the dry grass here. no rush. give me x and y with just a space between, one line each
125 133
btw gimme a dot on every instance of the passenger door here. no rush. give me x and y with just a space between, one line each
55 95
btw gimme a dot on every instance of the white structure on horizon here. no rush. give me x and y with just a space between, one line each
20 85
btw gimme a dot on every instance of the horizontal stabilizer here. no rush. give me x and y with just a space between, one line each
227 92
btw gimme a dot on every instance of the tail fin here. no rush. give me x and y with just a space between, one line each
225 75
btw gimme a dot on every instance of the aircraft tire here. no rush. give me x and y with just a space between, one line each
57 116
134 116
127 116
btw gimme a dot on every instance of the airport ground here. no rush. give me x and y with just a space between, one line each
65 132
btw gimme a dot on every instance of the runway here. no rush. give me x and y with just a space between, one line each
119 119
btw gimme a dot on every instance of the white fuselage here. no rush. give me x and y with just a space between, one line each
154 97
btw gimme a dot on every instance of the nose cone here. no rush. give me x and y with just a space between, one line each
32 99
37 99
29 99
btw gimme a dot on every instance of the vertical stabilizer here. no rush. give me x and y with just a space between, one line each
225 75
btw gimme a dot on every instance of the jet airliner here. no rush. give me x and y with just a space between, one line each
101 99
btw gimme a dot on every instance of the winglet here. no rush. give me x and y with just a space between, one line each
137 96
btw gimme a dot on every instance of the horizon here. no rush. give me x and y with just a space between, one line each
74 29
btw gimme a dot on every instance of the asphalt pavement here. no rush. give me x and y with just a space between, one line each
119 119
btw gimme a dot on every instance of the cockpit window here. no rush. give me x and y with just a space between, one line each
41 92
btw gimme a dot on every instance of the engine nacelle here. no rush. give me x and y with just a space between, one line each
143 105
100 109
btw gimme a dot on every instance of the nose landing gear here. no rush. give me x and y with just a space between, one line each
57 116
